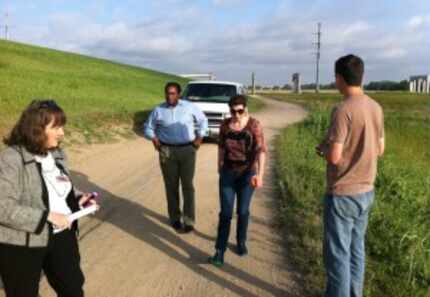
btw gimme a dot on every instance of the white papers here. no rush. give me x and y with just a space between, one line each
82 213
79 214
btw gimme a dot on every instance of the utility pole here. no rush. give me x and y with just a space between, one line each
318 56
6 25
253 83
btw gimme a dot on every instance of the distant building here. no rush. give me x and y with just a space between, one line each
204 76
297 83
419 84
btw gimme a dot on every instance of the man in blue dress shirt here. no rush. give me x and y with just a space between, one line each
176 128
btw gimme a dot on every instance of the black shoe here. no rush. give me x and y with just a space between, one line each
177 226
218 259
188 228
242 250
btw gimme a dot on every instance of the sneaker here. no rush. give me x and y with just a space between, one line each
242 250
177 226
218 259
188 228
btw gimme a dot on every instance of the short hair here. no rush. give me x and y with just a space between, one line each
351 68
173 84
29 131
238 100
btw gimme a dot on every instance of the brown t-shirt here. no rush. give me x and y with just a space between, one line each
241 149
357 123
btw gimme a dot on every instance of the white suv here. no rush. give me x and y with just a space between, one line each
212 97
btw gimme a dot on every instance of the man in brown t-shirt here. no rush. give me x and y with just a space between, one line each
353 143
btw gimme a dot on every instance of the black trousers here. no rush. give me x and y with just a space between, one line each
21 267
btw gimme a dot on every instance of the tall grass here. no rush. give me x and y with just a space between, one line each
398 238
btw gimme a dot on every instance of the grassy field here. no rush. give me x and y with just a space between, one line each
398 239
102 99
96 94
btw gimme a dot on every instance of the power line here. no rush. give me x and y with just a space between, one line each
318 57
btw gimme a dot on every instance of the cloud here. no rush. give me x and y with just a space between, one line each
418 21
227 2
188 38
356 28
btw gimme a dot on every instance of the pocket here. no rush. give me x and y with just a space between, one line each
366 201
345 207
164 153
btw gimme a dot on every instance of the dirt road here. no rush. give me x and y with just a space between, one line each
129 250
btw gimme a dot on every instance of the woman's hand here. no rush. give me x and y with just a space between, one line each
257 181
87 198
59 221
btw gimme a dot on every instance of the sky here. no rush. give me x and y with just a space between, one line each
233 38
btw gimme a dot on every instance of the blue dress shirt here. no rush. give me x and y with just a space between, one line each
176 124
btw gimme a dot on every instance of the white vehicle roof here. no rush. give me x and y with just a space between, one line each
216 82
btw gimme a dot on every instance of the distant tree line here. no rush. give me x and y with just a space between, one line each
387 85
275 88
384 85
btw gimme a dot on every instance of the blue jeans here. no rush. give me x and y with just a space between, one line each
345 224
232 184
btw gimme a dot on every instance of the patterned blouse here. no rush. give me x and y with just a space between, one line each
241 149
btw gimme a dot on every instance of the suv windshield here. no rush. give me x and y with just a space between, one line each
209 92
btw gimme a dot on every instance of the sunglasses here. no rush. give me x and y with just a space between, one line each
237 111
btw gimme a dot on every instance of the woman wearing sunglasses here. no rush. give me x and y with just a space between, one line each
36 197
241 158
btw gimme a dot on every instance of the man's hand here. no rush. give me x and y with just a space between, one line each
156 142
322 149
319 151
197 142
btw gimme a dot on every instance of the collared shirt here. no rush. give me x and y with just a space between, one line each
176 124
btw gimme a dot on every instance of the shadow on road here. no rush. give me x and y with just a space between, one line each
139 222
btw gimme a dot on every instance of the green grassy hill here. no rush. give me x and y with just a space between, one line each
98 96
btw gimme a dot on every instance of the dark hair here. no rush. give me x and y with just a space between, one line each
29 131
238 100
351 68
173 85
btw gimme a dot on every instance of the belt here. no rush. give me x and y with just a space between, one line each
176 144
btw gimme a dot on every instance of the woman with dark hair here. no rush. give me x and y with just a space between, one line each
241 158
36 197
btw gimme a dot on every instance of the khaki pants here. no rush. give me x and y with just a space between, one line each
178 167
